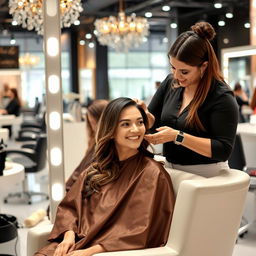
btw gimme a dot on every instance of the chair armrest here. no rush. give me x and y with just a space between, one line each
159 251
37 237
30 129
31 125
30 153
30 145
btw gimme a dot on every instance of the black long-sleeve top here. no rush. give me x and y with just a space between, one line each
218 114
13 107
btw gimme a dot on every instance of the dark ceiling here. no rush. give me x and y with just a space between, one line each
187 11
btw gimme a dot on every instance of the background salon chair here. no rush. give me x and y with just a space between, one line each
33 158
206 217
237 160
29 130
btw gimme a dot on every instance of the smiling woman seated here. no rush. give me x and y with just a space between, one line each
124 200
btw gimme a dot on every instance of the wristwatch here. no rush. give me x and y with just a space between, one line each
179 138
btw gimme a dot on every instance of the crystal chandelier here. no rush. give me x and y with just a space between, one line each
28 60
121 32
29 13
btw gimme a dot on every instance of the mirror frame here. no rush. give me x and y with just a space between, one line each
234 52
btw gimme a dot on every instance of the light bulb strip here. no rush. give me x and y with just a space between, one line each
53 101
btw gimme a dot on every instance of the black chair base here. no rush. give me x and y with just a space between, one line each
26 197
8 227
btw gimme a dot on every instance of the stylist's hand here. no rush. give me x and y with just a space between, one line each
164 134
142 104
151 118
67 244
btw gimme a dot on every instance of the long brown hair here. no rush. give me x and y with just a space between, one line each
105 167
194 48
16 96
95 109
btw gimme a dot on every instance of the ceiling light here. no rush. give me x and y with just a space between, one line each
166 8
148 14
14 23
91 45
247 25
229 13
82 42
29 13
28 60
88 36
165 40
173 25
218 4
221 23
121 32
12 40
77 22
225 40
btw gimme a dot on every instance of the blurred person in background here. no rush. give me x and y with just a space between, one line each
241 99
12 108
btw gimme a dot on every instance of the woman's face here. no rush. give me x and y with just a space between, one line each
129 133
10 94
186 75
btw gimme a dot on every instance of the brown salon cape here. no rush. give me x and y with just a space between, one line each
132 212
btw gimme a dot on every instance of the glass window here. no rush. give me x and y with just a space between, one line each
133 74
33 76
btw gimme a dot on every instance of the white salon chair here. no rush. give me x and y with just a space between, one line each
206 217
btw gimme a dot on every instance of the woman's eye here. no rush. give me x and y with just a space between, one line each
184 72
125 124
141 122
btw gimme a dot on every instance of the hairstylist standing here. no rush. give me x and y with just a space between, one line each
194 111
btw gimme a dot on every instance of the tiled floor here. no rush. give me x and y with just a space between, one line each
245 246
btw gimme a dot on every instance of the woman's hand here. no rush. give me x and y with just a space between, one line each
151 118
87 252
84 252
67 244
164 134
3 112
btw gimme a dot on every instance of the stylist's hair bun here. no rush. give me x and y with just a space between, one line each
204 30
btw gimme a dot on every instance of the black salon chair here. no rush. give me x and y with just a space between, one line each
29 130
34 111
237 158
33 158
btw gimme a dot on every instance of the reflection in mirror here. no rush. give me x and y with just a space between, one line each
237 66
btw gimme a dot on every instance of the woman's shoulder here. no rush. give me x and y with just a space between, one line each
220 97
155 167
220 88
221 91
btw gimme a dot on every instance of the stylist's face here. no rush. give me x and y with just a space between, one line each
186 75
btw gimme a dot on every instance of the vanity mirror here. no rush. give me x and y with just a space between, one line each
239 65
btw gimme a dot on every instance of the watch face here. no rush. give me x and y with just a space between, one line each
179 138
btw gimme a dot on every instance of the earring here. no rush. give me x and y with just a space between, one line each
201 74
